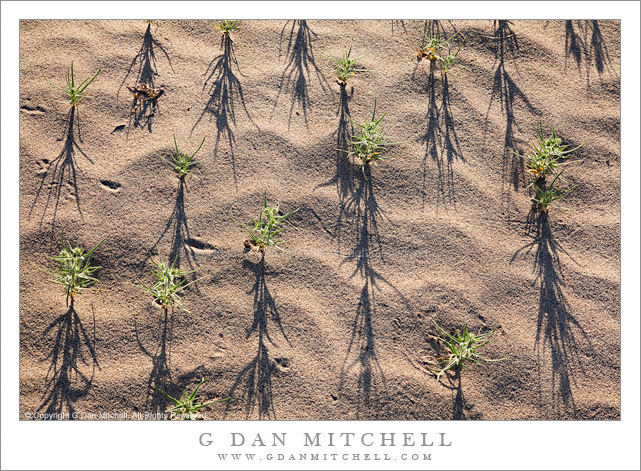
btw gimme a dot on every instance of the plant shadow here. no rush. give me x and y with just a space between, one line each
224 90
442 145
558 331
195 375
181 241
361 351
160 376
255 379
459 405
298 69
345 174
399 24
65 381
584 43
144 108
505 89
61 172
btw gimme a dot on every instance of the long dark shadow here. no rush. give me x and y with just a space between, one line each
361 351
458 404
574 45
451 142
60 172
442 145
585 45
66 382
558 331
160 376
432 25
598 50
299 68
431 140
181 241
224 91
255 379
506 91
143 108
399 24
344 177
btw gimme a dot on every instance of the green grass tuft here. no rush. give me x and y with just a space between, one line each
439 51
370 141
188 406
75 272
227 26
182 163
546 195
265 230
75 93
170 283
462 347
346 67
548 154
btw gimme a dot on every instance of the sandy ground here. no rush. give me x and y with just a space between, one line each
338 325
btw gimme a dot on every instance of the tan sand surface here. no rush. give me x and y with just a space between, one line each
339 324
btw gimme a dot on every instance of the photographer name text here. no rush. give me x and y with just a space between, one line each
330 439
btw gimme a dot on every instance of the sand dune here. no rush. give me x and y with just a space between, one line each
336 326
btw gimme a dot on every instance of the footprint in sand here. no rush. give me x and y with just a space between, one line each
44 166
199 245
282 363
220 347
110 185
32 110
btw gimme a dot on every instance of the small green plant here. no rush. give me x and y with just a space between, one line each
439 50
370 141
182 163
170 283
548 154
431 47
188 406
75 93
546 195
265 230
450 60
227 26
75 271
346 67
462 347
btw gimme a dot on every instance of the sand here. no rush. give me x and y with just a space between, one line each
339 324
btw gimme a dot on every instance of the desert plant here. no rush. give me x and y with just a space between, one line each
370 141
169 284
547 155
540 164
182 163
188 406
439 50
265 230
450 60
431 47
144 92
346 67
546 195
75 271
227 26
75 93
462 347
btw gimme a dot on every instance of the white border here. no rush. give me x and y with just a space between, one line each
482 445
